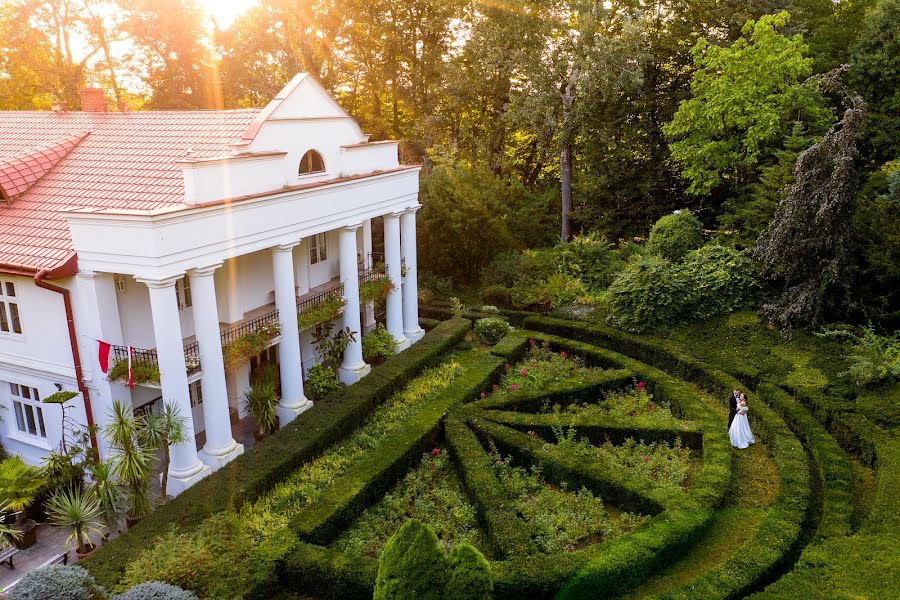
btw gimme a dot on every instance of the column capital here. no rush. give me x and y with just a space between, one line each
87 274
286 247
394 214
204 271
411 210
159 282
352 226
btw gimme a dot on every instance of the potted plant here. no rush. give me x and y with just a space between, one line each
131 460
20 484
160 431
377 345
260 400
110 495
79 511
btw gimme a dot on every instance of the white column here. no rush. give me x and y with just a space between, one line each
353 367
369 323
220 447
411 329
185 468
394 302
293 401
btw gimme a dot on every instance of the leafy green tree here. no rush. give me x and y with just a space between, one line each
745 99
673 236
412 565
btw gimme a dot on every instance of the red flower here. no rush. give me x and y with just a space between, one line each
495 387
646 458
483 395
524 372
562 354
531 342
507 366
652 407
436 451
513 387
641 386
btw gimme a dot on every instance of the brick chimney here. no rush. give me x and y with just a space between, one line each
93 99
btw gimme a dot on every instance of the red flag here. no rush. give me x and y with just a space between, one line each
130 375
104 356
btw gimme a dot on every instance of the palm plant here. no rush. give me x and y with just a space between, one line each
79 511
161 431
7 534
131 458
108 491
20 484
261 400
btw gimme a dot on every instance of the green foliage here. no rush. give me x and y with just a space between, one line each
79 511
872 358
673 236
540 369
249 345
323 311
378 344
470 575
260 400
131 457
490 330
331 344
321 380
155 590
745 98
375 290
141 372
412 566
20 484
59 582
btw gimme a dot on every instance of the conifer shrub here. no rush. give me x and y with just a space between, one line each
412 566
673 236
156 590
470 575
60 582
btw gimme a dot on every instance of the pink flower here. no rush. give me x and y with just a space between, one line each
652 407
646 458
436 451
495 387
524 372
483 395
642 386
563 355
513 387
531 342
507 366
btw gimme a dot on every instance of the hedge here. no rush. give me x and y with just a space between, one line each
371 477
331 574
775 544
261 467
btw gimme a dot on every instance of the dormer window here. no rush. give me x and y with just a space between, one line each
311 163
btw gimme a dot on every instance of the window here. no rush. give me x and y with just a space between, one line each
195 392
183 293
317 249
311 163
27 407
9 308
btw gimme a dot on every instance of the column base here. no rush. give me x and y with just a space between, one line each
351 375
219 459
286 414
414 336
401 344
180 481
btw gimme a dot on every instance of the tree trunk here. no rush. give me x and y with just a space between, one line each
165 473
565 154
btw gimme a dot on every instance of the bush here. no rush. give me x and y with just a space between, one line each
378 344
470 575
721 279
412 566
491 330
648 293
156 590
58 582
873 358
321 380
673 236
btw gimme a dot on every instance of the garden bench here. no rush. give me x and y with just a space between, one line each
6 556
60 559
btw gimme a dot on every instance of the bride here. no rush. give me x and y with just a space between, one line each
739 432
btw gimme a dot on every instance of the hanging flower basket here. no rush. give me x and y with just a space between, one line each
375 290
326 310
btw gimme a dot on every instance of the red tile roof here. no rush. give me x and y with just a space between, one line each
51 162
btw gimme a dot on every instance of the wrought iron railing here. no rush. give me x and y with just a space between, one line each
148 358
309 301
376 272
249 327
145 409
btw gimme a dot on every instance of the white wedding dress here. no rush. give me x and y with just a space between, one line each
740 433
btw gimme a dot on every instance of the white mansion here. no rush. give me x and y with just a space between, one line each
177 234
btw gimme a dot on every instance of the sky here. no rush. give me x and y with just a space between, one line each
226 11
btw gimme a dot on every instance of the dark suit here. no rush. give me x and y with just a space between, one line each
732 408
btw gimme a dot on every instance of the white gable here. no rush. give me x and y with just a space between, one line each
306 99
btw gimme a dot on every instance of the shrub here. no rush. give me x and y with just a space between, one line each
490 330
498 295
321 380
470 575
648 293
59 582
378 344
873 358
720 279
156 590
673 236
412 566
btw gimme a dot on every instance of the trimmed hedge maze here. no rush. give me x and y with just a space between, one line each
780 519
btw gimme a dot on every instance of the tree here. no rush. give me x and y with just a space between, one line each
160 431
807 251
412 565
745 99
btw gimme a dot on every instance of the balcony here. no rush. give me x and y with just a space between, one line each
145 364
321 304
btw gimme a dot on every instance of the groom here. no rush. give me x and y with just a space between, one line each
732 405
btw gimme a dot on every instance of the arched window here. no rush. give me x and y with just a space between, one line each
311 163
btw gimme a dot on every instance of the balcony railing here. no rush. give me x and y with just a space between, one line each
141 357
308 301
249 327
376 272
